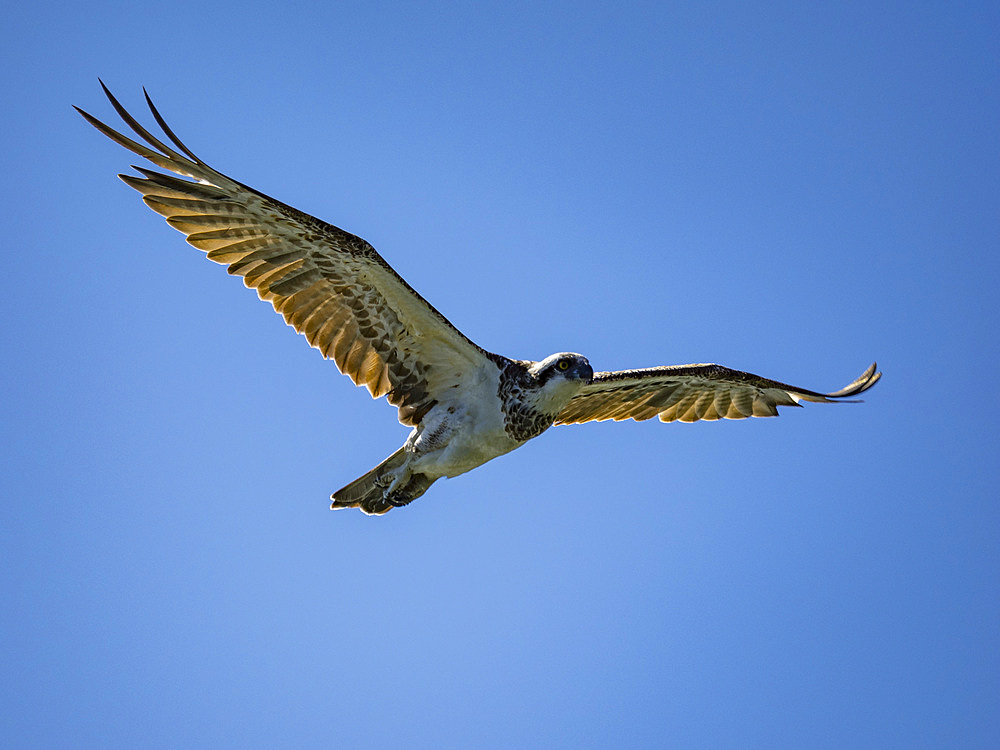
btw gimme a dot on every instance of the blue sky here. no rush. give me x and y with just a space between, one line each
785 189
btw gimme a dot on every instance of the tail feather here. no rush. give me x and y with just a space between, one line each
368 492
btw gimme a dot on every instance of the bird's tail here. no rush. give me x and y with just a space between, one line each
368 492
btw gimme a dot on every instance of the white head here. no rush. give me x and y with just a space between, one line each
558 378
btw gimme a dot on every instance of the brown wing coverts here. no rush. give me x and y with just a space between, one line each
330 285
688 393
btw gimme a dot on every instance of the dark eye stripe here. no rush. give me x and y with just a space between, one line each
545 375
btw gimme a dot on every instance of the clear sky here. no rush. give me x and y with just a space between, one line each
790 190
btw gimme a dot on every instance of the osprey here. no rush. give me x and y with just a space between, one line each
465 404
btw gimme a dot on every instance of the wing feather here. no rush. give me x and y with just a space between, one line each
689 393
329 285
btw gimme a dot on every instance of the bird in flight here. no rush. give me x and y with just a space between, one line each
466 405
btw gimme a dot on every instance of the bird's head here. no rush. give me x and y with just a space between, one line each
558 378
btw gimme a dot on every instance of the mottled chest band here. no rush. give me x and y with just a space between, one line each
521 421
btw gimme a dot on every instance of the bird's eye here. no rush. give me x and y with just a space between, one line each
563 364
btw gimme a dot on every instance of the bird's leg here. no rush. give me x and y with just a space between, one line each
417 485
391 487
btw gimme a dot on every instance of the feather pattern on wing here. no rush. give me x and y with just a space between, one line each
331 286
688 393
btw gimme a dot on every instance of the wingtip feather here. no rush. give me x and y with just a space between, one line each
860 384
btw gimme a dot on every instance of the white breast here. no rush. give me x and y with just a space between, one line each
465 429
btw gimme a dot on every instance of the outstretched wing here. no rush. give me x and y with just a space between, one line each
687 393
329 285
